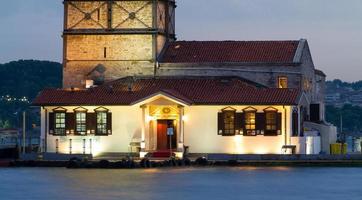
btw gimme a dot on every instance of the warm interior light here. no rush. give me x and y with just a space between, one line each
150 118
143 145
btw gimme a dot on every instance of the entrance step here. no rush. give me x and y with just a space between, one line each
115 156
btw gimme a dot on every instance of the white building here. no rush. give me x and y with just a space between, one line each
207 115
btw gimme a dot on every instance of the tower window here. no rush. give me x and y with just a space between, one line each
282 82
132 15
105 52
98 14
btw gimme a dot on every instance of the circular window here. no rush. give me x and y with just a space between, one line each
132 15
166 110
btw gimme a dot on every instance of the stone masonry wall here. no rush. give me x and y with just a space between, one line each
76 15
98 10
118 47
263 74
121 55
142 10
76 72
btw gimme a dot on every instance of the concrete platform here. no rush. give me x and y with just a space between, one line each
275 157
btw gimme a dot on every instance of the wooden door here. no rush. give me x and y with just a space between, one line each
163 140
162 135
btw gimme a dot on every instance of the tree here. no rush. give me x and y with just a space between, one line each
25 78
5 124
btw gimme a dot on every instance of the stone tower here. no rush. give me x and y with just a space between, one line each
109 39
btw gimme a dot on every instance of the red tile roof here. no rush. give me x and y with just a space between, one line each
230 51
195 91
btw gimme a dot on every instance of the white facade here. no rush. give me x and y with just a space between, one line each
196 127
201 133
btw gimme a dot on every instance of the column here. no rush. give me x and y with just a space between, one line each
180 145
44 129
143 136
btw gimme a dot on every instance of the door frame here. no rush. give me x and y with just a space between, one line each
174 137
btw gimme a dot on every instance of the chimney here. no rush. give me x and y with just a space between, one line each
130 86
89 84
110 88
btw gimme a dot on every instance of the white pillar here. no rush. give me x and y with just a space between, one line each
43 132
143 136
180 145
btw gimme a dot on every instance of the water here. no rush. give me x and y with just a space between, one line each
186 184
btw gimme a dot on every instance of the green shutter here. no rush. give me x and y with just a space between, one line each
70 123
260 122
109 123
295 119
51 123
239 122
91 123
220 123
279 123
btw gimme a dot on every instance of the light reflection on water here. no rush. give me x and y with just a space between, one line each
182 183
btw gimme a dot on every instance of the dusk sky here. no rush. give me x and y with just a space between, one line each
31 29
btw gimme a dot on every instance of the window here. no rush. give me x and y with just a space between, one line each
283 82
307 84
250 125
295 122
98 13
271 122
81 125
229 123
101 123
105 52
60 123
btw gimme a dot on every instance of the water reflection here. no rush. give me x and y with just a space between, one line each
182 183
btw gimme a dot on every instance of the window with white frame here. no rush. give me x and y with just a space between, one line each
101 123
81 123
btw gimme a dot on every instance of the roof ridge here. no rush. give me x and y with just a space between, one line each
235 41
196 91
181 77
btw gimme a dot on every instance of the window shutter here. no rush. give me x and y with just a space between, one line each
260 123
70 123
279 123
220 123
295 124
91 123
239 122
109 123
51 123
